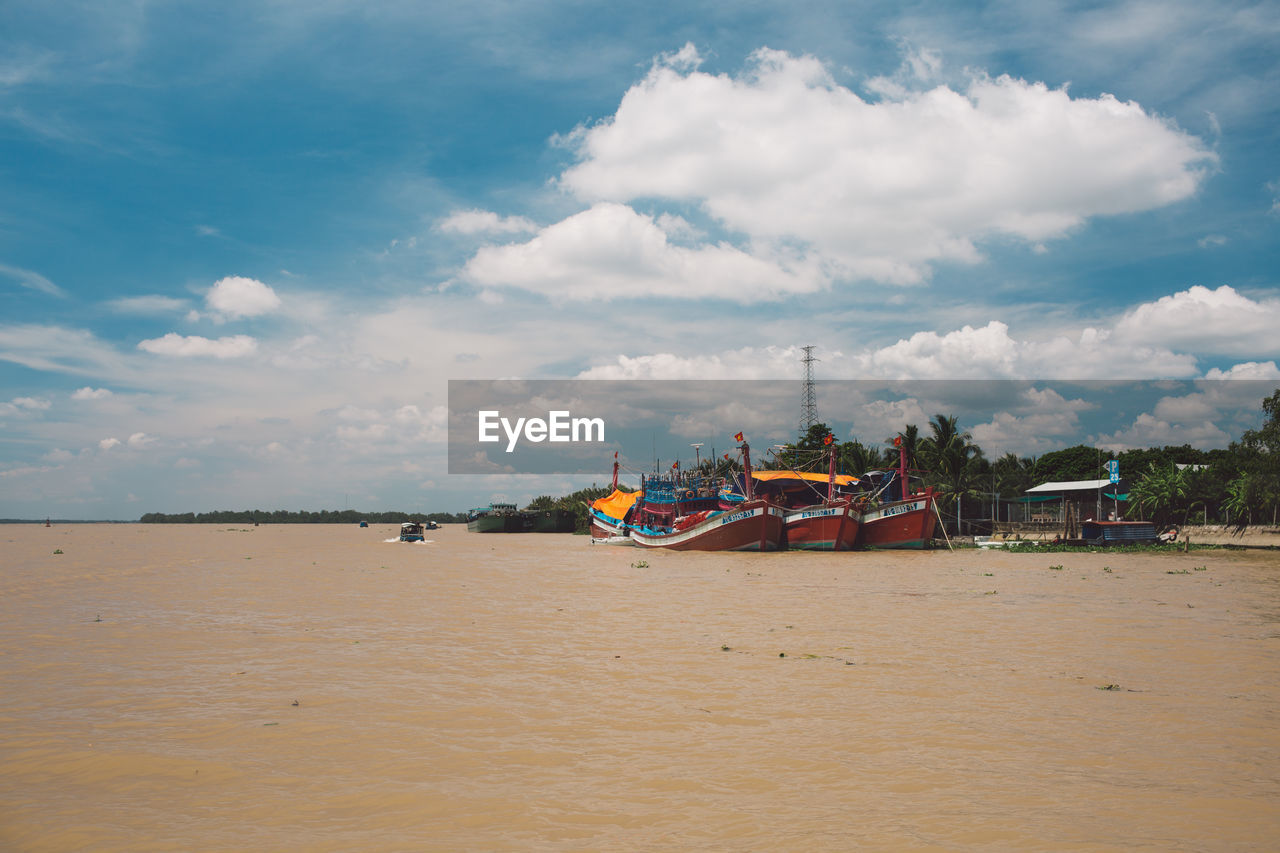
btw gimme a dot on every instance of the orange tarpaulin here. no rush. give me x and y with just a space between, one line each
617 504
841 479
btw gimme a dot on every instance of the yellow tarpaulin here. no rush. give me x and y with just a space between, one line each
841 479
617 504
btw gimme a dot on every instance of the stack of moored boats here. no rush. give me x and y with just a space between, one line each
766 511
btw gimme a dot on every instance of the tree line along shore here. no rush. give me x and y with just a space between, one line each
1238 485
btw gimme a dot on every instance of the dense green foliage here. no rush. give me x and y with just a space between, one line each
578 503
1167 485
280 516
955 464
1253 492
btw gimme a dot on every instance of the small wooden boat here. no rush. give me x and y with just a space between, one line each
1118 532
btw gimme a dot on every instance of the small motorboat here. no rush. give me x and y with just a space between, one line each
411 531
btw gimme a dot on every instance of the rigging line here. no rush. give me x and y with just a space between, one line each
937 514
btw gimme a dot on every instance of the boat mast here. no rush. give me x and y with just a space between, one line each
831 474
902 465
746 471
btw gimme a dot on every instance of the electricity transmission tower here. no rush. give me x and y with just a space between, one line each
809 400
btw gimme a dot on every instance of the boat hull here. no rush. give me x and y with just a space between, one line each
756 526
823 527
497 524
553 521
899 524
604 527
1118 532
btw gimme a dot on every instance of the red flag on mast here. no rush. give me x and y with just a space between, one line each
738 437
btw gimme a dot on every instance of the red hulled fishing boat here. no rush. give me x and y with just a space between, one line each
819 516
906 520
753 525
691 513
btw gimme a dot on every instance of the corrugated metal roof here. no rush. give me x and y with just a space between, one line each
1070 486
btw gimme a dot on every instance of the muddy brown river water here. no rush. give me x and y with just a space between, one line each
317 688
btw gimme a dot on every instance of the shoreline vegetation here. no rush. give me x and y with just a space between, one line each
1237 487
280 516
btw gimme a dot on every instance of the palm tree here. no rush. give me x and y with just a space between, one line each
953 461
1011 474
910 437
856 458
1160 491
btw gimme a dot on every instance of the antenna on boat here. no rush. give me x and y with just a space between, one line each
697 457
809 399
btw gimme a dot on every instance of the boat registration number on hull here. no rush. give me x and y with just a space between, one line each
737 516
899 510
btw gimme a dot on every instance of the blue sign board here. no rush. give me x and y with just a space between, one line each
1113 468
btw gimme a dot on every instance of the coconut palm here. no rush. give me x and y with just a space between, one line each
953 462
909 442
854 457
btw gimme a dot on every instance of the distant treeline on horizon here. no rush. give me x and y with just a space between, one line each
280 516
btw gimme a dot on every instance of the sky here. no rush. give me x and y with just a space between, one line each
245 246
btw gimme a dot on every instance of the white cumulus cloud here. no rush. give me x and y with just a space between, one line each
1246 370
88 393
235 297
878 190
140 440
612 252
24 405
186 346
991 351
1221 321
